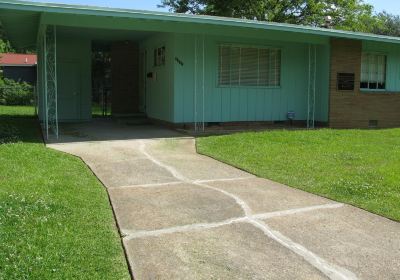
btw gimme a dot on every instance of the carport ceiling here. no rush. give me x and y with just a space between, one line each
21 27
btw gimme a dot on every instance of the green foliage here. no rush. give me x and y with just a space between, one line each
17 111
345 13
352 15
359 167
15 93
5 46
387 24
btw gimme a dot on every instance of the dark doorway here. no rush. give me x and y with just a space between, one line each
125 78
116 79
101 79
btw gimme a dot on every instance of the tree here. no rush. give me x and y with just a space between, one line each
352 15
5 46
387 24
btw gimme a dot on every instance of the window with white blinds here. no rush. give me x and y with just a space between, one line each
373 71
249 66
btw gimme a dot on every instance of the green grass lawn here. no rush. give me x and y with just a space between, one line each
55 217
359 167
17 111
97 110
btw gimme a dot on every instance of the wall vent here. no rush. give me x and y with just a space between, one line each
345 81
373 123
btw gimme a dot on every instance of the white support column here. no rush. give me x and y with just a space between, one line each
199 94
50 81
195 84
46 104
199 90
203 97
56 81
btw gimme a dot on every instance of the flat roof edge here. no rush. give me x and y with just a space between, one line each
164 16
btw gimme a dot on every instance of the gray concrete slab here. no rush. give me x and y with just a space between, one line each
237 251
197 167
267 196
170 206
181 155
97 153
172 146
110 130
130 172
364 243
177 227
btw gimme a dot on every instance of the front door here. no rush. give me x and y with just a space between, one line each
68 77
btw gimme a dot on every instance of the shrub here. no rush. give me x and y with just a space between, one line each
15 93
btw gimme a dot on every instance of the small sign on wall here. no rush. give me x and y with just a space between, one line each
159 56
345 81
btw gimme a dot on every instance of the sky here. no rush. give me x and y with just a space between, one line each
392 6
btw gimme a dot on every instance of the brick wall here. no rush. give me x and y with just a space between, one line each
353 109
125 78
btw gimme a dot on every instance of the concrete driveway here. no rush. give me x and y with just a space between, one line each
186 216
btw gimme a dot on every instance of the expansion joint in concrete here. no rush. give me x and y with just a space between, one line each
332 271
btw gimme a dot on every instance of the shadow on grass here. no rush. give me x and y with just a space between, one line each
19 128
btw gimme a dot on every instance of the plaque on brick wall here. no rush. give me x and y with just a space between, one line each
345 81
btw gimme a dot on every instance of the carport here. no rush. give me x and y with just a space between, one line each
66 38
68 89
64 81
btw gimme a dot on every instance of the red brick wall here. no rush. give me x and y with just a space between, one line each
125 78
354 109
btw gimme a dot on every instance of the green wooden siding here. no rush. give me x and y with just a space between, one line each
228 104
170 96
74 89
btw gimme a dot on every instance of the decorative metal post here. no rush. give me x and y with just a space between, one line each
312 75
195 84
199 99
50 81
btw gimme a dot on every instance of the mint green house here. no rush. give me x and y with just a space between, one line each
200 70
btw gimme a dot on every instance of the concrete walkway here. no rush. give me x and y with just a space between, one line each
186 216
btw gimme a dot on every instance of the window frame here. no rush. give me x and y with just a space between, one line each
376 90
241 46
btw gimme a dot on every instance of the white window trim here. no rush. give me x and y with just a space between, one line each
377 90
241 46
